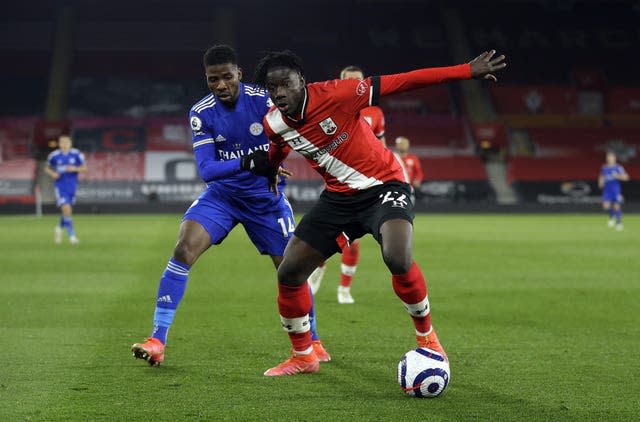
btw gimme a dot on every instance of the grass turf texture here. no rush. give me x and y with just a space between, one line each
539 316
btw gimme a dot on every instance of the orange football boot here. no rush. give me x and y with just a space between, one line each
320 351
152 350
430 341
296 364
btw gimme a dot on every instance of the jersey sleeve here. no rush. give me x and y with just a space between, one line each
50 160
400 82
278 149
378 128
352 95
204 152
81 159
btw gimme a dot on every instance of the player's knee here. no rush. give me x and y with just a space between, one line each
289 275
185 253
398 263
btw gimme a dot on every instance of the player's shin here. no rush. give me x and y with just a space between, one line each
172 287
411 288
312 318
350 256
294 304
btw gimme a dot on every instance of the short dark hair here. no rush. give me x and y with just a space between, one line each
219 54
350 69
286 58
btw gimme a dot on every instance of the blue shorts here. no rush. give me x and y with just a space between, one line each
65 197
612 196
267 219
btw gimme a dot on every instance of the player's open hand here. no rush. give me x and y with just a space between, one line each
483 66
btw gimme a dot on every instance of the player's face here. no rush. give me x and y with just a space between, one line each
224 81
353 74
402 145
64 143
286 89
611 158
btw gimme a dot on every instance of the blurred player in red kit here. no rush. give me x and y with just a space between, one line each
365 187
411 162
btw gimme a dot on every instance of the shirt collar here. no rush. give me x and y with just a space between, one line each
300 117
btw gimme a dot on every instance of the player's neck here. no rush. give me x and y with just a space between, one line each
299 112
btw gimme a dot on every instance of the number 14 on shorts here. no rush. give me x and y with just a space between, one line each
287 227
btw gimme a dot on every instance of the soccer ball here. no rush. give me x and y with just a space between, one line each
423 373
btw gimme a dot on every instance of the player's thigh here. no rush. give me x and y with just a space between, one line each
193 241
322 225
391 202
214 213
269 223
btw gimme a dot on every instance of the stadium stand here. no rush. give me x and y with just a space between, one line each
570 92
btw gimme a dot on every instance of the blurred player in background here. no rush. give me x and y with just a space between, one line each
611 174
63 165
228 135
366 190
411 162
350 255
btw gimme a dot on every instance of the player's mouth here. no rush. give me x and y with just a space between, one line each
224 95
282 106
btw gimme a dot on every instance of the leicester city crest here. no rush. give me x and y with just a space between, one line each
328 126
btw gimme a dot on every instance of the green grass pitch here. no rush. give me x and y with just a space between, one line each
540 316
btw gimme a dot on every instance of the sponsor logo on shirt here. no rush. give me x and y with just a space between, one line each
361 89
332 146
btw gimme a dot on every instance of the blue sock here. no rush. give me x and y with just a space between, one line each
66 222
618 215
611 212
62 223
312 318
172 286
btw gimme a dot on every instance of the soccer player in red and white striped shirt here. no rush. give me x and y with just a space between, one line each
366 191
350 254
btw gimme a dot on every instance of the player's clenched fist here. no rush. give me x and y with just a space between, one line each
257 163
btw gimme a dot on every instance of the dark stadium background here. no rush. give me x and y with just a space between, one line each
121 77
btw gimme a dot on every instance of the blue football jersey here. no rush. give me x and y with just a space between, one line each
608 172
229 133
59 161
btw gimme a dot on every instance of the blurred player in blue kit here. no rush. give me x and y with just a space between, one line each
227 135
63 165
611 174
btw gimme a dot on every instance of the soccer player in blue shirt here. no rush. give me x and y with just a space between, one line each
63 165
227 135
611 174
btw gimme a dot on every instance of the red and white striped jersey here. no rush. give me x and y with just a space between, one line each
375 117
336 142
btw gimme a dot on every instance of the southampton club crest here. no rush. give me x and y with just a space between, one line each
328 126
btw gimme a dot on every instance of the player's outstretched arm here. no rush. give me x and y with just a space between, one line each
485 65
482 67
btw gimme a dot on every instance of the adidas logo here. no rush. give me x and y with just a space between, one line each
165 298
220 138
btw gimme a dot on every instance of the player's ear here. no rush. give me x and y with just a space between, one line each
239 73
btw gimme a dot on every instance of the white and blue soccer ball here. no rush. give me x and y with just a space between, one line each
423 373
